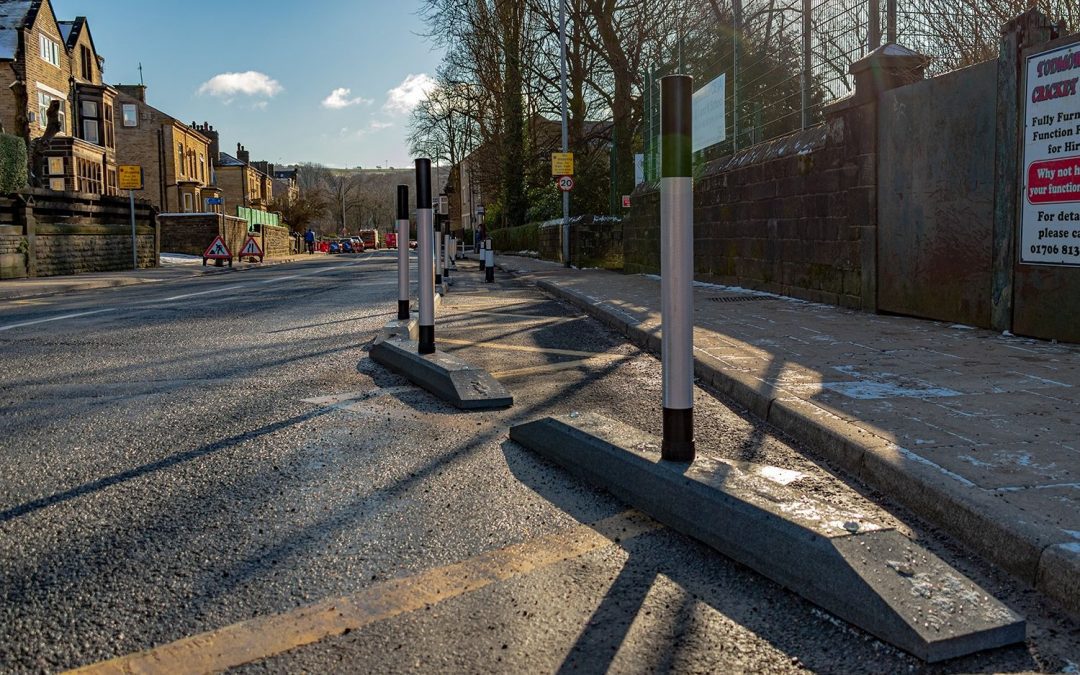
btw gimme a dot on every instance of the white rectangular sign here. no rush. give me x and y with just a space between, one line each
710 114
1050 212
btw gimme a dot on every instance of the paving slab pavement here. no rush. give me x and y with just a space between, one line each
973 430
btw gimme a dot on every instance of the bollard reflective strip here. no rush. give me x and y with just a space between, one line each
677 267
425 244
489 254
403 251
446 255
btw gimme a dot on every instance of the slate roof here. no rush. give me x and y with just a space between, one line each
70 30
14 14
228 160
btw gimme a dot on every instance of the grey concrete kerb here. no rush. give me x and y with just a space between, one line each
869 575
1029 549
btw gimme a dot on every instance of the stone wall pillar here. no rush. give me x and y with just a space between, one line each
24 216
852 123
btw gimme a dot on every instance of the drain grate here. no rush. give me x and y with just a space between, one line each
739 298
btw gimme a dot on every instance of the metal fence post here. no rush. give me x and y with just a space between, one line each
736 64
874 30
890 21
807 45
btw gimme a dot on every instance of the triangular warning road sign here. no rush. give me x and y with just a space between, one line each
217 250
251 248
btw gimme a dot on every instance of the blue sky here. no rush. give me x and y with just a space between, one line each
272 74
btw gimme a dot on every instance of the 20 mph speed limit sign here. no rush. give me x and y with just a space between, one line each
566 183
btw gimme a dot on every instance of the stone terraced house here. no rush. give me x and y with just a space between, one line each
49 60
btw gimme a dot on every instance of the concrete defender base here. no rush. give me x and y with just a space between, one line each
868 575
446 376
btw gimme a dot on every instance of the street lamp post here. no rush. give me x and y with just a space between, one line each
565 131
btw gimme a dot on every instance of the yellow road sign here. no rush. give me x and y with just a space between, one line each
129 177
562 164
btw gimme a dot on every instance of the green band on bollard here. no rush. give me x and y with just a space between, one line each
676 126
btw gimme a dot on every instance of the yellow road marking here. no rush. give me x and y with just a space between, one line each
263 637
534 350
538 370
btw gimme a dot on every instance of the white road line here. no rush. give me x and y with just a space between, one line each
192 295
230 287
220 289
55 318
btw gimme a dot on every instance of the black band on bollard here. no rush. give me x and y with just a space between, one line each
403 202
427 340
676 125
678 445
403 310
423 183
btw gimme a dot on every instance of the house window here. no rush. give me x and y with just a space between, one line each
202 168
44 99
50 51
110 136
188 208
87 63
91 121
131 114
180 164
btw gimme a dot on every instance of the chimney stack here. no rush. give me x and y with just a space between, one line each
242 154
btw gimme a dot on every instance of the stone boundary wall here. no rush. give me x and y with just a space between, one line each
192 233
46 233
594 240
276 241
773 217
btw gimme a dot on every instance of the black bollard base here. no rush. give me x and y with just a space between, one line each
489 274
426 344
678 444
403 310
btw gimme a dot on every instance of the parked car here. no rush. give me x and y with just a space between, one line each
357 244
412 243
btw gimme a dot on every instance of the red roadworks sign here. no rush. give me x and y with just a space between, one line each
251 249
217 250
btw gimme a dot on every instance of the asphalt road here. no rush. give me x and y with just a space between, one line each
218 454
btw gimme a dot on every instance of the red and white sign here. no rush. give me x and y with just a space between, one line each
566 183
1050 207
251 249
217 250
626 201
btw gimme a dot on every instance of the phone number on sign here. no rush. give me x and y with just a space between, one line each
1055 249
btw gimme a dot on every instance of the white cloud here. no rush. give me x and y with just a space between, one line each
407 95
339 98
375 126
250 83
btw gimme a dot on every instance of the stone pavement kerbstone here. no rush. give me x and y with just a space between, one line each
973 430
